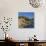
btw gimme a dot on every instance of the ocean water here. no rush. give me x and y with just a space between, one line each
29 26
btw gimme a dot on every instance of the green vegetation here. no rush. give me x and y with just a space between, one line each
25 21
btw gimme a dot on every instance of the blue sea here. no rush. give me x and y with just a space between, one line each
29 26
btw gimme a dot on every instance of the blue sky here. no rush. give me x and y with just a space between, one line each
27 14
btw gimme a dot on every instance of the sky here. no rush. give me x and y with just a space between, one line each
30 15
